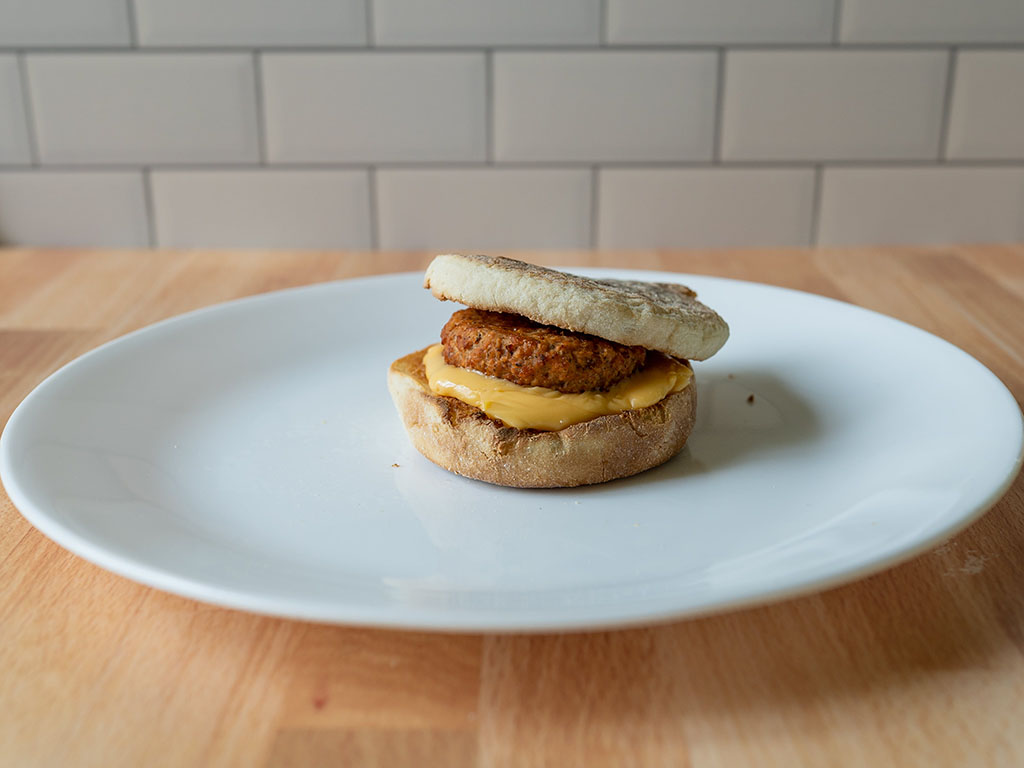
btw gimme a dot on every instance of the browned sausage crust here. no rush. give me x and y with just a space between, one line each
514 348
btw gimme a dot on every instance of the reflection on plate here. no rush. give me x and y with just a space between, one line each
248 455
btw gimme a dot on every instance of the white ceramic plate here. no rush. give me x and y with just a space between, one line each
246 455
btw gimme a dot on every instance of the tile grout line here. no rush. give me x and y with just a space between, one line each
489 107
947 104
133 22
602 24
819 179
147 196
456 165
527 48
261 118
371 188
371 26
28 106
595 204
716 147
837 18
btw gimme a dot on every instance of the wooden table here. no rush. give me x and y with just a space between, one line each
920 666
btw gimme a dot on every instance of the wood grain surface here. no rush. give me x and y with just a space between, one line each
922 665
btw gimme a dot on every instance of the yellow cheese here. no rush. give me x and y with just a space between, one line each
549 409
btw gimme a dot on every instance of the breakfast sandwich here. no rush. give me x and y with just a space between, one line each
552 380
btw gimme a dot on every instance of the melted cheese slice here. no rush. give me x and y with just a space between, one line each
548 409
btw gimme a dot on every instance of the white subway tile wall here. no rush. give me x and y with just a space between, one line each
262 208
932 21
375 107
251 22
144 108
921 205
704 207
609 105
14 146
701 22
55 208
487 22
987 118
833 105
481 124
78 23
477 209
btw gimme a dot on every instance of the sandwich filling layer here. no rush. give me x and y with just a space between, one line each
515 348
548 409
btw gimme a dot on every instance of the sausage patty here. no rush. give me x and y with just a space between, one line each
517 349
